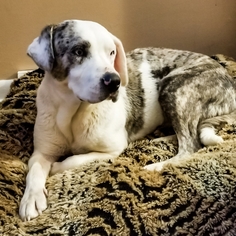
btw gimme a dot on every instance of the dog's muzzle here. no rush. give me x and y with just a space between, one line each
110 85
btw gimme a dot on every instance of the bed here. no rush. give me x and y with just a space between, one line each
117 197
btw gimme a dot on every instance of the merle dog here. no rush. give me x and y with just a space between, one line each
94 100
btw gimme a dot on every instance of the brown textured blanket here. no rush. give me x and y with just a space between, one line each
197 197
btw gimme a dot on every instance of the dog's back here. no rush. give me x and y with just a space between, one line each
147 68
182 87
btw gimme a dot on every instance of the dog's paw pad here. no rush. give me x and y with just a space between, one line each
156 166
33 203
209 138
214 140
218 139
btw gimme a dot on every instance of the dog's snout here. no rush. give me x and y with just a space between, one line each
111 81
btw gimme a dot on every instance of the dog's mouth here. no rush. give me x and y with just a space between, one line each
80 99
114 96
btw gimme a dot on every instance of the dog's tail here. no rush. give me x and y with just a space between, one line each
208 127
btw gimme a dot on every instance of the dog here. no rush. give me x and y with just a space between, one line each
95 99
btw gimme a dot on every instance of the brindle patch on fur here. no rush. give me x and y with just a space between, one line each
190 86
135 55
161 73
189 98
135 94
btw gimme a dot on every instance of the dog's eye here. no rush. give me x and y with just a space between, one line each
79 52
112 53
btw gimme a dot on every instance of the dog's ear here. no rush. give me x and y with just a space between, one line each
41 49
120 61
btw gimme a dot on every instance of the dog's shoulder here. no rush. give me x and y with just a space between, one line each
143 110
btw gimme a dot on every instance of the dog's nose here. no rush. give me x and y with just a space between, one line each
111 81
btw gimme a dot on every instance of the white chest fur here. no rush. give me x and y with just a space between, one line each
70 125
94 128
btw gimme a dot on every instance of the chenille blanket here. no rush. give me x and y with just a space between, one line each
197 197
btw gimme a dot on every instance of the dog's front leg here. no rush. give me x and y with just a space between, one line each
34 200
79 160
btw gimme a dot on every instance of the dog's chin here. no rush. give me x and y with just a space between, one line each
113 97
89 100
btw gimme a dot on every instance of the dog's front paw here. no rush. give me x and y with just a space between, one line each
33 203
155 166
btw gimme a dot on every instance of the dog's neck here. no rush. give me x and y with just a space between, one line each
64 103
59 91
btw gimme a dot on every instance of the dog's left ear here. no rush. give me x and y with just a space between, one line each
120 61
41 49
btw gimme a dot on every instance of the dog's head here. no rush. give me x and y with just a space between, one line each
84 53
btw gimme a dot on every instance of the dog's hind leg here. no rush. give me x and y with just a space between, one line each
188 140
182 107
